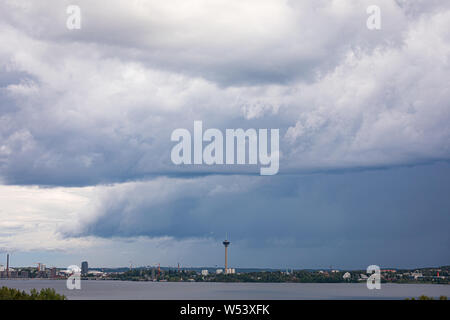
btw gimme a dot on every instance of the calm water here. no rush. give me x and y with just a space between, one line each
258 291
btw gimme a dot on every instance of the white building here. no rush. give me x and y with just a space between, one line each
219 271
347 275
231 271
204 272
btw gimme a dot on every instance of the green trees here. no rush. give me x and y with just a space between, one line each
45 294
424 297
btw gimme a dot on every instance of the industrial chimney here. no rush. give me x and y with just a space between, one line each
7 265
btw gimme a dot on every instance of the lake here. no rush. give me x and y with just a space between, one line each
91 289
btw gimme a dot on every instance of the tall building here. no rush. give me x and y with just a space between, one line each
226 243
84 268
53 273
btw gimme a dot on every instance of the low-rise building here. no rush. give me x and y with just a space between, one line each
13 274
363 277
24 274
96 273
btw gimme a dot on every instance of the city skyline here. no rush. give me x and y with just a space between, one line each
84 267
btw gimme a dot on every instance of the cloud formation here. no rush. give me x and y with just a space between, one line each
30 217
95 107
348 214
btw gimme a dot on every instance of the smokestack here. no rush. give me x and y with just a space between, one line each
7 265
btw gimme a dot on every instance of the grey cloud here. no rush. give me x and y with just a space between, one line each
91 111
231 44
379 212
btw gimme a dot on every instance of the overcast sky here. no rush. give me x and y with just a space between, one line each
86 117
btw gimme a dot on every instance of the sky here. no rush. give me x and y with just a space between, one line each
86 117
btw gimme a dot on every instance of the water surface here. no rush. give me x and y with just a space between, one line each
91 289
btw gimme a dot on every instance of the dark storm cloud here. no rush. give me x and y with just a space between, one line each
379 212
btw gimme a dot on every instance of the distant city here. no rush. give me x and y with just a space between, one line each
439 275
